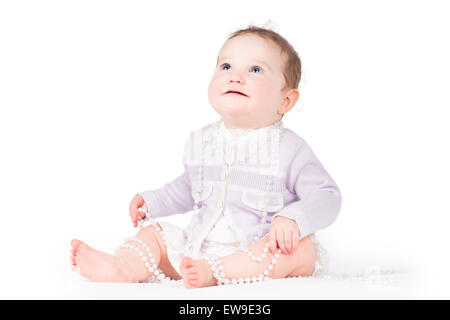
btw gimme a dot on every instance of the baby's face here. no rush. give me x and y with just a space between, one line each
252 66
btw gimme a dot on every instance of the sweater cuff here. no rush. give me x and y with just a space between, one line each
151 201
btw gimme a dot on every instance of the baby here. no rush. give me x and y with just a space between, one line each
257 190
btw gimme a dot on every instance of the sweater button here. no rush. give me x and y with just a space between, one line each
220 204
223 176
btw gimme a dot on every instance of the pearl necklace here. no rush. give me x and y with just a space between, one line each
217 270
156 274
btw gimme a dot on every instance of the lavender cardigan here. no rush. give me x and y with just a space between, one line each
230 175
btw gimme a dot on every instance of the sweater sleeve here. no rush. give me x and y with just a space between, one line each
319 199
174 197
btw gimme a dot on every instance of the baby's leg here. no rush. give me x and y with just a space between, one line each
197 273
126 265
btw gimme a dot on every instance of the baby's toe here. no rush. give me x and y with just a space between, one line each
76 244
192 271
187 263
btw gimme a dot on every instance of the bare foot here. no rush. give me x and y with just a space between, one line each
97 266
196 273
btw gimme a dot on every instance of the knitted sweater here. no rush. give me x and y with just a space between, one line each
249 179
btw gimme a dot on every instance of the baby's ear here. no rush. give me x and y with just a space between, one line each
289 101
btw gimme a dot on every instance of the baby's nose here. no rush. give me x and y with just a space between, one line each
236 78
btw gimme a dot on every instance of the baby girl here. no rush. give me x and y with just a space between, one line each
257 190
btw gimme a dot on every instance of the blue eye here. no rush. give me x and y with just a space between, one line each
258 69
222 67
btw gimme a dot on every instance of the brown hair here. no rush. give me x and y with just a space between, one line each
292 67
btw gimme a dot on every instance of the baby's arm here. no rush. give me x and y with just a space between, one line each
174 197
319 197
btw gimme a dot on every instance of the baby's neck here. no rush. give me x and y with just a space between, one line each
238 131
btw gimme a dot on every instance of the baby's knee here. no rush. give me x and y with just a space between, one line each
152 234
307 249
305 257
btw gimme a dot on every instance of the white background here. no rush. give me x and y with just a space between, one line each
98 97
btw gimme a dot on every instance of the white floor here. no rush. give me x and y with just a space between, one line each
350 276
378 285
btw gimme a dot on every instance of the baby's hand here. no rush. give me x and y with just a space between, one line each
283 234
136 203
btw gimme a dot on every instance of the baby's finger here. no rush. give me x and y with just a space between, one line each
134 219
136 203
133 213
142 212
133 204
273 241
288 241
280 241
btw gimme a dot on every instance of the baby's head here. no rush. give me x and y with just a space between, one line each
264 68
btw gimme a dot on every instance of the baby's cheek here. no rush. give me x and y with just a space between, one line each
214 88
263 88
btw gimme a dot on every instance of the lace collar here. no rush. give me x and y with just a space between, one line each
257 147
242 134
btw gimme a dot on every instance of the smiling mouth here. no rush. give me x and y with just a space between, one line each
237 93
